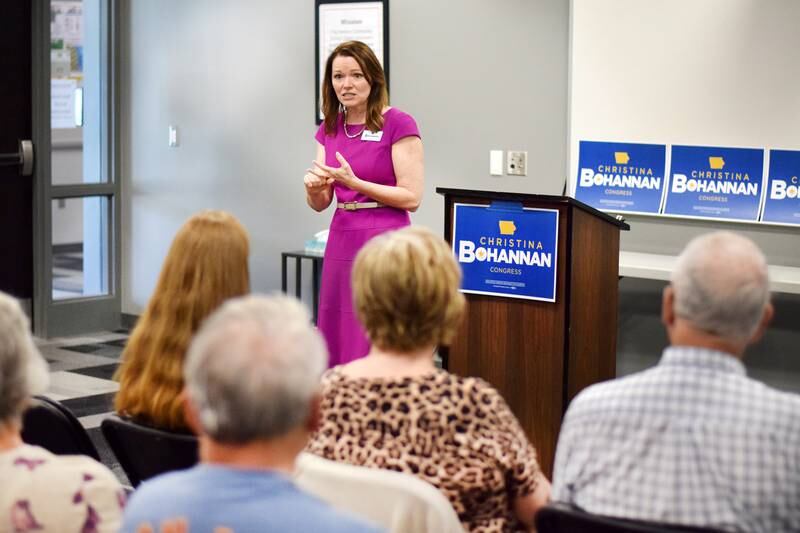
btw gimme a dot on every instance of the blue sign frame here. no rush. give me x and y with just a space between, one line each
782 191
715 183
621 177
507 250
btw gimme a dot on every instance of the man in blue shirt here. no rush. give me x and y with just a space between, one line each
251 376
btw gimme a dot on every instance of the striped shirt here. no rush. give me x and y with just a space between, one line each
691 441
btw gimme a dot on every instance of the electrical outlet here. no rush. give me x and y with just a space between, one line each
517 163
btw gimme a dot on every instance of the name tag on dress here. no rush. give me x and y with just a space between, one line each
374 136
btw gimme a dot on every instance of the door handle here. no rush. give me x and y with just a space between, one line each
23 158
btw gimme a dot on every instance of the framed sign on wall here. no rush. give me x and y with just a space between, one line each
337 21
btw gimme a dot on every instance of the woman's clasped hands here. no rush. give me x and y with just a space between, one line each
321 176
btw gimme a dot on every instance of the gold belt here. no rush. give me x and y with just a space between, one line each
353 206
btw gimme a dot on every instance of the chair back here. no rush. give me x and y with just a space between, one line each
562 518
144 452
52 426
396 501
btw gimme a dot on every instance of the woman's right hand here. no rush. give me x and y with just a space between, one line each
319 192
315 184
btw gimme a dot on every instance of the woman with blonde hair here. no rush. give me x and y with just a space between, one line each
395 410
206 265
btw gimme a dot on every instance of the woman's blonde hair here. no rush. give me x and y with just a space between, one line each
406 290
206 265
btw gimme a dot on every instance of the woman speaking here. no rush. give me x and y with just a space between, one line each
370 162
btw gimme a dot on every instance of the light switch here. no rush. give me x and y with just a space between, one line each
495 162
173 136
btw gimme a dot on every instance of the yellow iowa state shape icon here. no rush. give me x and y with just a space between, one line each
716 163
507 227
621 158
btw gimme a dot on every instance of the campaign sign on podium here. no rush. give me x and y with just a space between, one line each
782 204
621 177
507 250
711 182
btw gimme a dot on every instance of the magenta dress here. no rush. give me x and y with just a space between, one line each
350 230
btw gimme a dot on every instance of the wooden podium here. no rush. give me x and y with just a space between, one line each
539 355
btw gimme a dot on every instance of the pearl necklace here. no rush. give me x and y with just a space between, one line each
345 128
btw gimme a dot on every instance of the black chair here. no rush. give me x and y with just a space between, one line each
144 452
562 518
52 426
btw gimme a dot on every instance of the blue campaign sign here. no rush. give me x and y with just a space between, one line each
621 177
782 204
711 182
505 250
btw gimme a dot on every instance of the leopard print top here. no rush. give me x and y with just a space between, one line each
455 433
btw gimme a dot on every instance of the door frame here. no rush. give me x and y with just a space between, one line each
53 318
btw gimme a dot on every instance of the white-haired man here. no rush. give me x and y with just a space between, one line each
40 491
693 440
252 377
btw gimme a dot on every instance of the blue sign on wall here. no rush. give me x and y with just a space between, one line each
782 204
505 250
621 177
710 182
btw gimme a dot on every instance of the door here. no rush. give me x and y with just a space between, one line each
16 190
76 288
60 227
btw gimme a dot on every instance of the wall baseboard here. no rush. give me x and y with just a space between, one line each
128 321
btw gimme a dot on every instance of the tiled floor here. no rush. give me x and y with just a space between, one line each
80 378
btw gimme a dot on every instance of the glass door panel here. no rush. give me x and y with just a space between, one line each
80 249
76 91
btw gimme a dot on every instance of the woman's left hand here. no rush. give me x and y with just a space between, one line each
343 174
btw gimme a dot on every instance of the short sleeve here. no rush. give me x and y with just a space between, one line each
518 456
403 126
105 495
320 135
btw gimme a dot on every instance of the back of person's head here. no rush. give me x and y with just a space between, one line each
23 371
253 370
721 285
406 290
207 264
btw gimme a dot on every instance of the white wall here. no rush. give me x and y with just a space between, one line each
710 72
237 78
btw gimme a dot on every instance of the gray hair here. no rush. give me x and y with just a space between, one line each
23 370
254 367
721 285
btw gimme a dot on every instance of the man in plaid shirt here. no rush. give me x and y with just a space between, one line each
693 440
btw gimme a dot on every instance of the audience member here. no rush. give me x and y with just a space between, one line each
38 490
395 410
252 381
206 265
693 440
